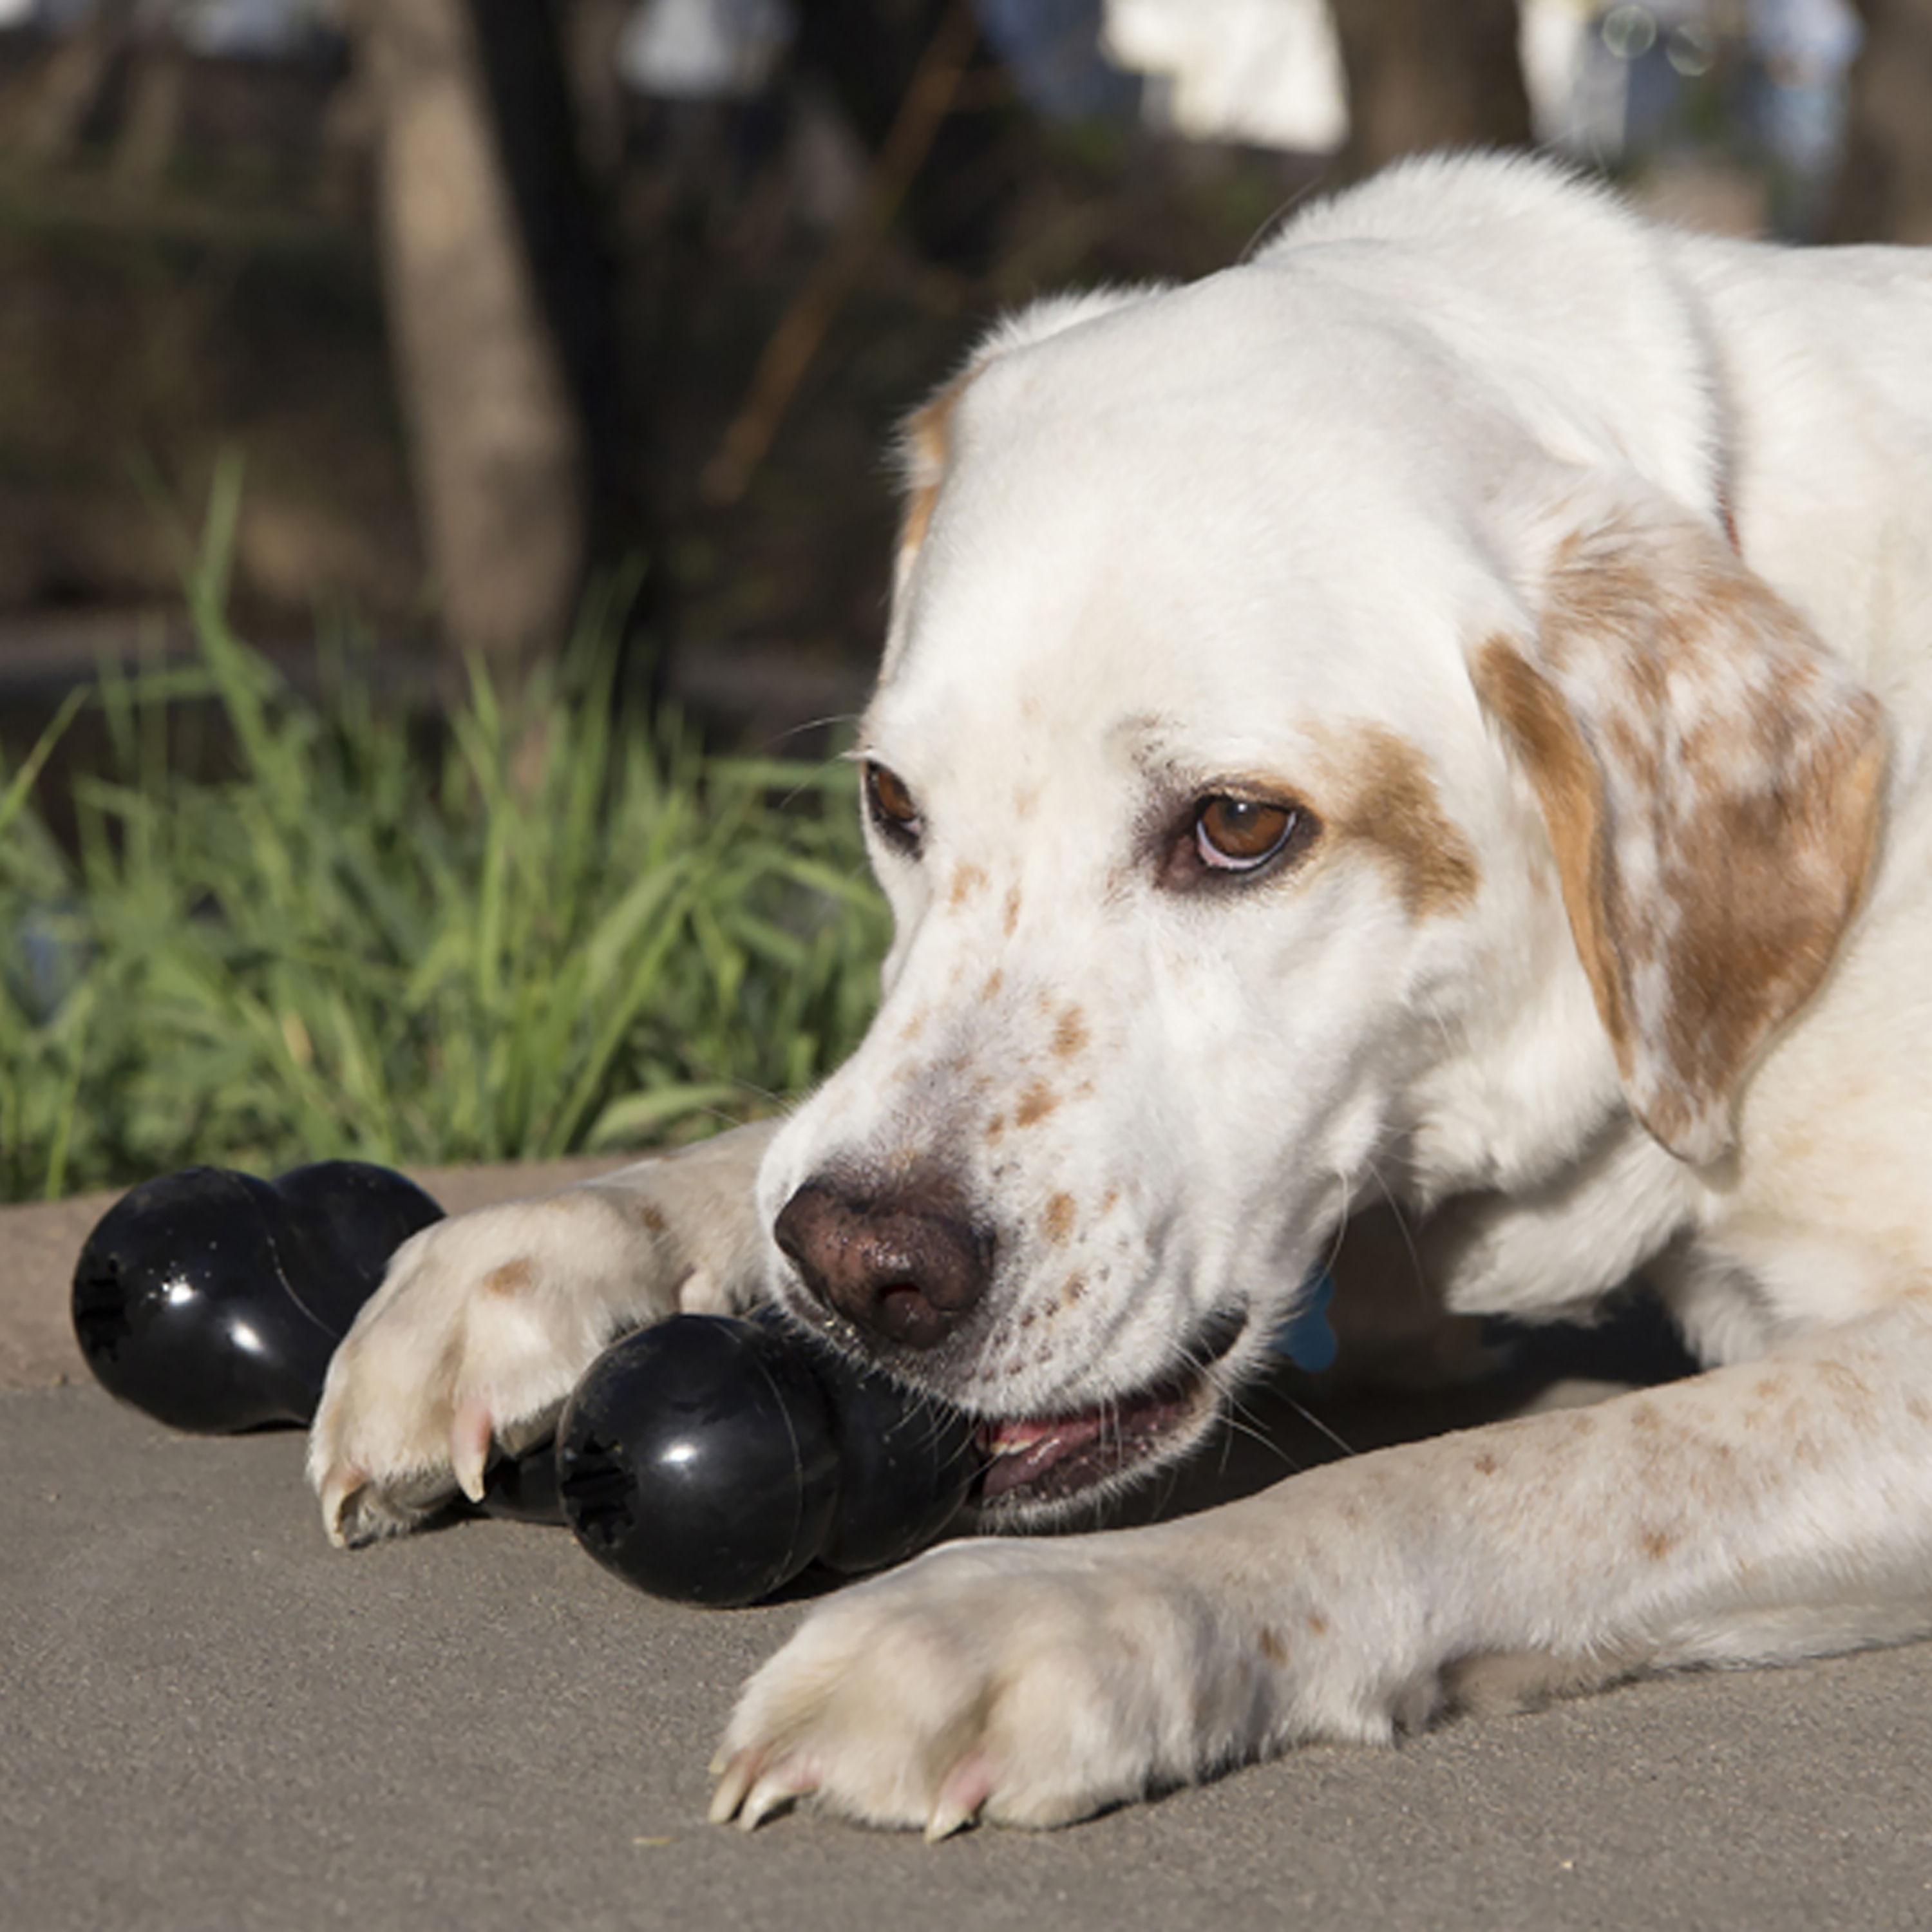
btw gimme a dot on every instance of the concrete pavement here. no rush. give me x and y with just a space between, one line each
208 1719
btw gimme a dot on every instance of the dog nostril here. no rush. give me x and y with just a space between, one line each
907 1266
902 1312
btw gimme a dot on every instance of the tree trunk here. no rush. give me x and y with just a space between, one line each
1424 74
1885 186
73 82
501 454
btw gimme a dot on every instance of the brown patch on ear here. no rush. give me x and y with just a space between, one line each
1710 777
1391 806
1569 788
925 446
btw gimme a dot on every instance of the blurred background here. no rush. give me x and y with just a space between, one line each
494 295
401 333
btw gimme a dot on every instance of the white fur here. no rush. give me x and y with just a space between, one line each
1259 525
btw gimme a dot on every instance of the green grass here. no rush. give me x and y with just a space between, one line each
356 948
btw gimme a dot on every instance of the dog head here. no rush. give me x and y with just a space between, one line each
1293 779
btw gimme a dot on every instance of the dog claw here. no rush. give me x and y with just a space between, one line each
469 1438
748 1794
946 1820
340 1489
769 1795
962 1798
735 1775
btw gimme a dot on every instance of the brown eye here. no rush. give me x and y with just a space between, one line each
1237 834
892 805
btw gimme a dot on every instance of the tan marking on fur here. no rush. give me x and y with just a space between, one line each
1025 798
926 448
1388 805
653 1219
1487 1464
1058 1219
1071 1290
1569 790
1851 1388
1037 1100
1012 914
515 1277
968 882
996 1126
1710 778
1657 1543
995 980
1069 1036
1273 1648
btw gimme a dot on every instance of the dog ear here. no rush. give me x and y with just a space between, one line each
1710 777
925 445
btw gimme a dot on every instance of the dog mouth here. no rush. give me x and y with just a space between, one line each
1040 1460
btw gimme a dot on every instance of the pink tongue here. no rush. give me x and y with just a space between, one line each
1022 1448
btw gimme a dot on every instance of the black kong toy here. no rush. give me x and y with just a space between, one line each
705 1460
214 1299
710 1460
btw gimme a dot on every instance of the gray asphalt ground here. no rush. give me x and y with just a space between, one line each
208 1719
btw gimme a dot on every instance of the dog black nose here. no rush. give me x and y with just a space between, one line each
906 1263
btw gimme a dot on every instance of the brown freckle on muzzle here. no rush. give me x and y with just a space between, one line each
1071 1290
1013 918
1058 1219
968 882
1036 1101
1069 1036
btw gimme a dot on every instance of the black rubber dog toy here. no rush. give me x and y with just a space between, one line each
214 1299
709 1461
705 1460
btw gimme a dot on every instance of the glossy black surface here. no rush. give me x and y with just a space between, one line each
213 1299
709 1461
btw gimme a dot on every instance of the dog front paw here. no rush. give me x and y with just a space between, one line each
485 1324
1020 1684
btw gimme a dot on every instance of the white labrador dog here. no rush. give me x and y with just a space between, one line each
1437 714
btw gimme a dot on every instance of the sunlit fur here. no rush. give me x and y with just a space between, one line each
1571 580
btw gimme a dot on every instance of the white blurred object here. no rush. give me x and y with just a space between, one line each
1264 71
259 28
17 13
705 50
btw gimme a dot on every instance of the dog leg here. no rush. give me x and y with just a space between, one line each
1772 1510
